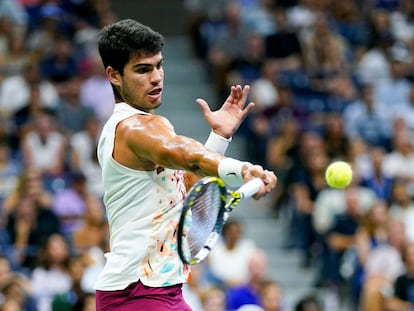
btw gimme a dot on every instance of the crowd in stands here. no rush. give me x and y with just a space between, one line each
332 80
54 98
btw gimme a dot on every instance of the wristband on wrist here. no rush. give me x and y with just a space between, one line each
217 143
230 171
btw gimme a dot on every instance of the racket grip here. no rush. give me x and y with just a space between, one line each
250 188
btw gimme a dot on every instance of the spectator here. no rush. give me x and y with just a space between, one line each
52 276
17 292
41 40
84 157
29 226
214 299
10 170
6 28
257 17
89 303
383 265
271 296
376 179
332 202
248 293
71 114
364 119
85 37
69 204
280 156
335 140
44 149
228 44
286 108
393 94
325 53
402 206
371 233
399 163
309 303
246 68
16 57
15 90
25 117
283 45
96 91
302 14
228 260
406 112
93 231
264 89
372 66
61 65
29 184
349 22
75 297
306 186
340 238
401 297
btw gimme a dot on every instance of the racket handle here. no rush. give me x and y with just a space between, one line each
250 188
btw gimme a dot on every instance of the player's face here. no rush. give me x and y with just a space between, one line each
142 82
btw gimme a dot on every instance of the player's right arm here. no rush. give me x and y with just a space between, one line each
144 142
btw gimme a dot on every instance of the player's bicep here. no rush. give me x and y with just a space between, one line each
156 141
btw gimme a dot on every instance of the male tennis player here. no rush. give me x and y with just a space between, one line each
143 161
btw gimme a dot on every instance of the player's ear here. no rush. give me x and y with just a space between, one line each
113 76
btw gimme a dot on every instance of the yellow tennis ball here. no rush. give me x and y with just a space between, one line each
338 174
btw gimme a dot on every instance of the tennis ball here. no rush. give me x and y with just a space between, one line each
338 174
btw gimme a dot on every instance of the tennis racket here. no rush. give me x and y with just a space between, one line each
205 211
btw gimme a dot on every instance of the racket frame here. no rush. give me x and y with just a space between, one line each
220 219
245 191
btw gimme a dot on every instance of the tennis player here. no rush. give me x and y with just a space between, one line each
143 163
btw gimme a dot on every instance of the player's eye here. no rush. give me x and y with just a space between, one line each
142 70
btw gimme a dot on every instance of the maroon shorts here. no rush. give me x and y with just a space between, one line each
140 297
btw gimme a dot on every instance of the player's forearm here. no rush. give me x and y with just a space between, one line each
215 142
189 155
201 161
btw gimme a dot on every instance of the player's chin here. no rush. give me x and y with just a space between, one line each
155 103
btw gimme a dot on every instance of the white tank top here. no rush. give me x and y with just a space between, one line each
143 209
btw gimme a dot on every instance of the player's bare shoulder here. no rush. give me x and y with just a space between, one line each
144 126
138 137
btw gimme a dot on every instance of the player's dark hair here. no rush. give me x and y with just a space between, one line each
119 41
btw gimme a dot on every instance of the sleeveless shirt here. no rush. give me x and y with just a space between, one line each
143 209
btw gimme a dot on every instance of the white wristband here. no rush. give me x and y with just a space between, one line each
230 171
217 143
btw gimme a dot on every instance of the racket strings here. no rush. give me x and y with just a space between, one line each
204 211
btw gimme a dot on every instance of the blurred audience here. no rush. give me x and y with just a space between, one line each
401 297
257 289
331 80
52 275
383 265
228 261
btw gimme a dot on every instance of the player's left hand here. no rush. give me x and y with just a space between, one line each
226 120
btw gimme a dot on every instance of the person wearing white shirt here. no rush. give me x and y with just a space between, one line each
15 91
